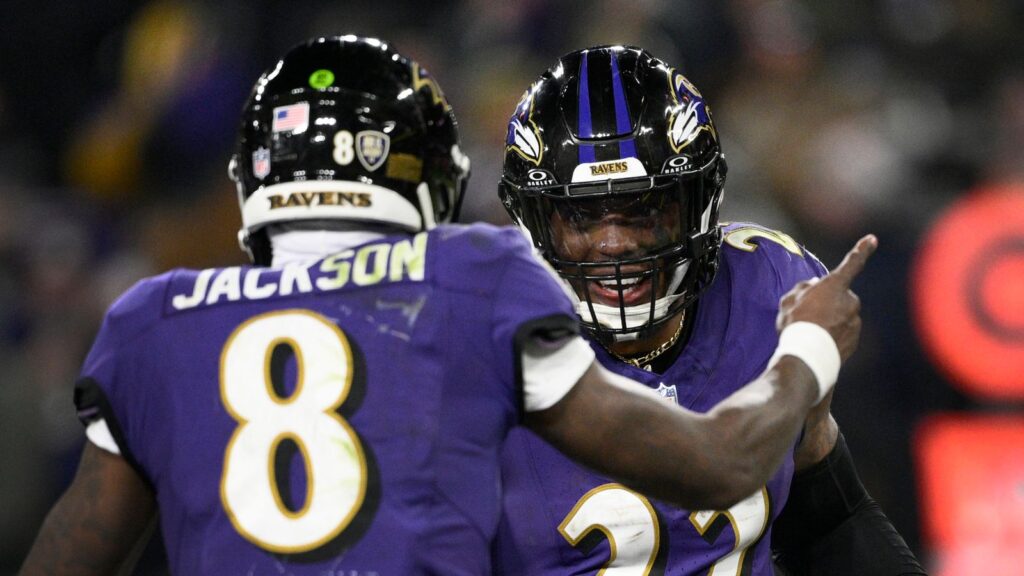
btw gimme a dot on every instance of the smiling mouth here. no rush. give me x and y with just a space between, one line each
635 290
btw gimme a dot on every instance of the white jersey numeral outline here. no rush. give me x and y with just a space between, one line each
748 518
626 519
630 524
335 464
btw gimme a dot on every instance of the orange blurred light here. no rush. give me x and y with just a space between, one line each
968 292
971 475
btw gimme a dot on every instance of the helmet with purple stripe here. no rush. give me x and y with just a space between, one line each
614 169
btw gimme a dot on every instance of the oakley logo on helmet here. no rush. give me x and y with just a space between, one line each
372 148
523 136
538 177
676 164
354 199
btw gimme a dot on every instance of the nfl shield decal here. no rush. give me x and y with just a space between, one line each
261 163
668 392
372 148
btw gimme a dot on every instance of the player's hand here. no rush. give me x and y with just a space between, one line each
829 302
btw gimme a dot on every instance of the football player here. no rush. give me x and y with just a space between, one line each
340 406
613 168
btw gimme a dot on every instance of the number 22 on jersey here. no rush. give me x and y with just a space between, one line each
631 525
334 461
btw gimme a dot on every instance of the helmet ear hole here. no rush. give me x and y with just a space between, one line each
234 172
243 243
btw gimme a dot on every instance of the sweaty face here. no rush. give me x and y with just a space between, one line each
623 228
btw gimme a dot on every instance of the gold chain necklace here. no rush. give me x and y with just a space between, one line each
643 361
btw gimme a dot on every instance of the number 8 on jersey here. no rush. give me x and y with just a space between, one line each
335 464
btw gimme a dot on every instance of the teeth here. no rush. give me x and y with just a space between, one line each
613 285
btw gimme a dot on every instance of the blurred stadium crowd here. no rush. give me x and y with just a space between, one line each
117 120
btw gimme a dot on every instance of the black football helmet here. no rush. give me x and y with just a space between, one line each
613 167
345 129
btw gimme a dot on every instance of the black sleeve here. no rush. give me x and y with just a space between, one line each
91 404
831 526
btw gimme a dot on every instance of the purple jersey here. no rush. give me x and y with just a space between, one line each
560 518
343 417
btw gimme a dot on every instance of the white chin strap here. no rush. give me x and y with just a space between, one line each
636 316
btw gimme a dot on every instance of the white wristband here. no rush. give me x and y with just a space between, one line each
815 347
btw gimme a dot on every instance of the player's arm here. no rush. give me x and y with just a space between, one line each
830 524
713 460
95 525
697 461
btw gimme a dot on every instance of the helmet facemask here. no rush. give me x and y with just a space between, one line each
626 246
613 167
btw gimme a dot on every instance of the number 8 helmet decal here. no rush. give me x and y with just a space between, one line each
613 167
344 130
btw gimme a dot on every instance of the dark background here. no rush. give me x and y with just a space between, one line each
117 119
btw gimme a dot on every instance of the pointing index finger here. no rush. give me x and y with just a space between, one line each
855 259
